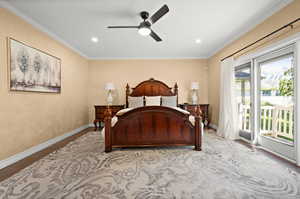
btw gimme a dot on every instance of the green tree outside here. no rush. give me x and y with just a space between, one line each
286 85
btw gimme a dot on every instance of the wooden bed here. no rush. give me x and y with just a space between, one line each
152 125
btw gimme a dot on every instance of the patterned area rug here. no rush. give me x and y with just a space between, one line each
224 169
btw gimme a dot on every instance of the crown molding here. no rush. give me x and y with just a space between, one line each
253 23
145 58
8 6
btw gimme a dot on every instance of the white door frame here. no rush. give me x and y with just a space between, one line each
297 105
294 39
284 149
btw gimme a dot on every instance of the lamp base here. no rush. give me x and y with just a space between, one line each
194 98
109 98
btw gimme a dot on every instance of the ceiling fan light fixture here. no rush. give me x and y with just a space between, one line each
144 31
144 28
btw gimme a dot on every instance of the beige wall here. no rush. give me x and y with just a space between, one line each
134 71
28 119
284 16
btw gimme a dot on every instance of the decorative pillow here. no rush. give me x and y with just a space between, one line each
153 100
134 102
170 101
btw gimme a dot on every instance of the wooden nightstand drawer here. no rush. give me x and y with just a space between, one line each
100 116
99 112
192 109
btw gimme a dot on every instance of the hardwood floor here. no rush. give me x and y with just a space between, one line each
16 167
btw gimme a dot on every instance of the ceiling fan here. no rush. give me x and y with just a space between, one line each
145 26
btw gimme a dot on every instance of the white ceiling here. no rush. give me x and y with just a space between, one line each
215 22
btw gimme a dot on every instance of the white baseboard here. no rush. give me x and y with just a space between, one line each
213 126
92 125
13 159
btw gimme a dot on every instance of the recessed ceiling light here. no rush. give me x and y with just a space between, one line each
94 39
198 41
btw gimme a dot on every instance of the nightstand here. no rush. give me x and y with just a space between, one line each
99 113
192 109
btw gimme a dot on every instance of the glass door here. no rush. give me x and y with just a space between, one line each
275 102
243 99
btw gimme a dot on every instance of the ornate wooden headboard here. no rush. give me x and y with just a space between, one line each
151 87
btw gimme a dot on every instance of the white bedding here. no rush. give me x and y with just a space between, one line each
114 120
123 111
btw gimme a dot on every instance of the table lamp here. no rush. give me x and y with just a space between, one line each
109 87
194 88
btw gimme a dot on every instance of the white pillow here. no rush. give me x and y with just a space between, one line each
134 102
152 100
170 101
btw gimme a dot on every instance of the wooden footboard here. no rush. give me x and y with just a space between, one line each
152 126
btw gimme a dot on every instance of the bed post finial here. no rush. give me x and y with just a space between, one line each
127 94
198 129
127 90
176 91
108 134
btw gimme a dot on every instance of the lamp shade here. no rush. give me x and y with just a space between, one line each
109 86
195 85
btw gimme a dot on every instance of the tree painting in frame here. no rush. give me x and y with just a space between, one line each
33 70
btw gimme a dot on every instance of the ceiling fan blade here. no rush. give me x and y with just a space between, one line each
155 36
161 12
122 26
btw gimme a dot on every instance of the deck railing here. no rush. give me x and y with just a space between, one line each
276 121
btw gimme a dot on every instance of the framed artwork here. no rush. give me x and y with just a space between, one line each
32 69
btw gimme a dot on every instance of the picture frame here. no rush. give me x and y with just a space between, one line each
32 70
